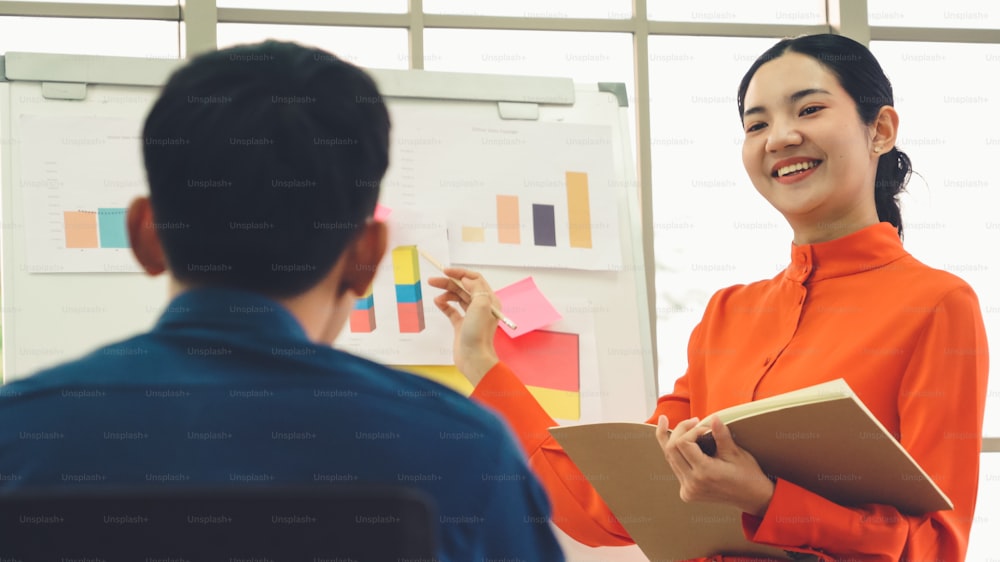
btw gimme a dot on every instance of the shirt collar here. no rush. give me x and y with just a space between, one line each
230 310
867 249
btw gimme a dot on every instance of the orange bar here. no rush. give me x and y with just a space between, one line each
473 234
508 220
81 229
578 204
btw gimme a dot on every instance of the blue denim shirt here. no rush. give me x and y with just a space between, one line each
227 389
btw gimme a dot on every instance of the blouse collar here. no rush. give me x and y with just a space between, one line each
867 249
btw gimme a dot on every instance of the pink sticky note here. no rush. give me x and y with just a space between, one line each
526 306
382 212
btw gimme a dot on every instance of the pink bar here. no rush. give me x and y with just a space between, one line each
411 317
363 321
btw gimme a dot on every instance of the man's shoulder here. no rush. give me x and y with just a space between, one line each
142 364
89 370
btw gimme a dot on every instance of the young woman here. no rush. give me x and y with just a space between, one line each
820 134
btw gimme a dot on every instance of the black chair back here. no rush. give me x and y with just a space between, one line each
253 524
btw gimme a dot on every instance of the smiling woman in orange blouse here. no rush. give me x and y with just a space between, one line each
820 134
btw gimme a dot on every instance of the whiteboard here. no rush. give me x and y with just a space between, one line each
50 315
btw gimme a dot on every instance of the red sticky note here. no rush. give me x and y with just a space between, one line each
381 212
525 304
544 359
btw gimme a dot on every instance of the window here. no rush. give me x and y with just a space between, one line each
376 6
786 12
953 13
948 128
86 36
610 9
120 2
584 57
983 540
370 47
711 228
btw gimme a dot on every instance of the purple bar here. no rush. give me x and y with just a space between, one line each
544 217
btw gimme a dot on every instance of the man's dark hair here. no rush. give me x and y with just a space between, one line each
263 162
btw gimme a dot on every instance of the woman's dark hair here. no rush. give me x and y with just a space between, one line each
862 77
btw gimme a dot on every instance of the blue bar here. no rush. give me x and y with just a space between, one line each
364 303
408 293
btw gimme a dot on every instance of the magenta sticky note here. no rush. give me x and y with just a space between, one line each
381 212
525 304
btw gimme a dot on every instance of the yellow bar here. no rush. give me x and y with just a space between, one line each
578 204
447 375
368 293
560 404
473 234
508 220
405 265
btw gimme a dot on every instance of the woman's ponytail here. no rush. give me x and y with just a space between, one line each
890 180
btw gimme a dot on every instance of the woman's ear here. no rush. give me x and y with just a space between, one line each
885 127
143 238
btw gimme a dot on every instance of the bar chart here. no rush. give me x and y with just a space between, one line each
548 363
543 219
558 365
363 316
409 297
104 228
409 300
75 200
396 318
526 201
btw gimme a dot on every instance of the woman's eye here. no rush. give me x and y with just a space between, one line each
810 110
755 127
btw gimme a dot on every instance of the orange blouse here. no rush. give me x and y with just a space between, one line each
909 340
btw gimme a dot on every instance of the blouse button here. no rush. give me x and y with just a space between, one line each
767 361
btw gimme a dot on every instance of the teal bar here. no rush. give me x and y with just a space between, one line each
111 228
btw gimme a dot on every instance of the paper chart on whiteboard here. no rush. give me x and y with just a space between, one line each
541 196
77 177
558 364
396 321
